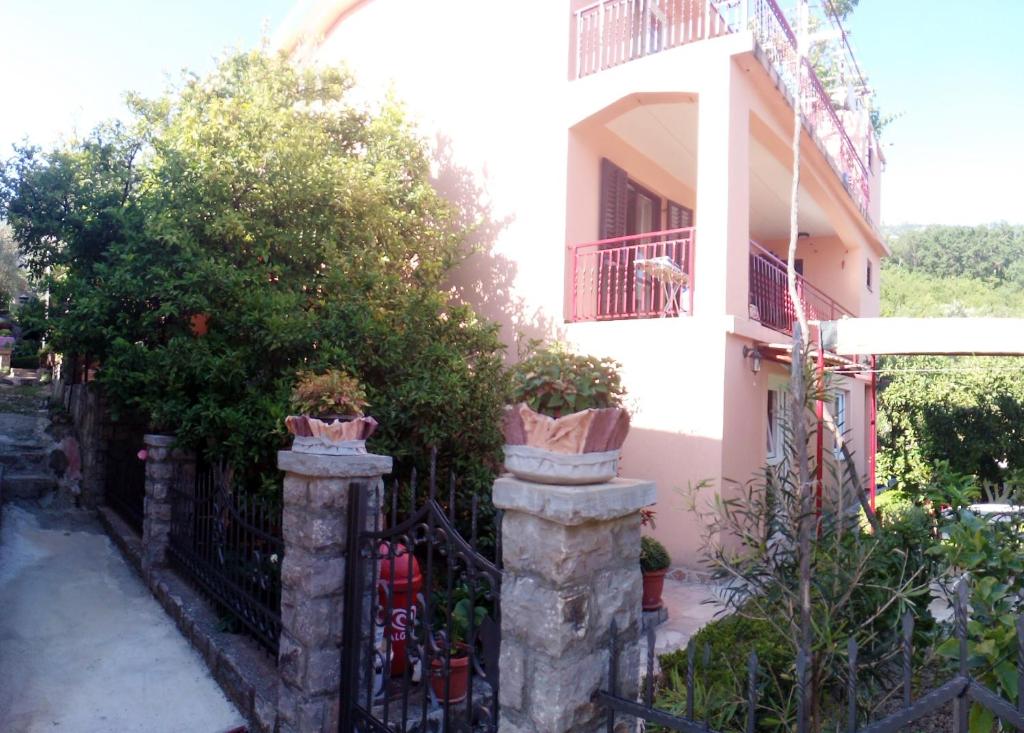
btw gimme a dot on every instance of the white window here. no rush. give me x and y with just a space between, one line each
839 414
774 438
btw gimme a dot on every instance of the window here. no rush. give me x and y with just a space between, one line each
839 415
870 275
775 442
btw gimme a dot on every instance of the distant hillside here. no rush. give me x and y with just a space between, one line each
954 271
991 253
964 410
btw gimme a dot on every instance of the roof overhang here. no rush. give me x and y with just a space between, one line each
925 336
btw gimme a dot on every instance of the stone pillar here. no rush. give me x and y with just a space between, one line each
162 465
317 493
572 566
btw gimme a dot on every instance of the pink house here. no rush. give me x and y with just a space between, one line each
629 163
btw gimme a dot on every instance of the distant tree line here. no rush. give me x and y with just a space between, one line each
968 411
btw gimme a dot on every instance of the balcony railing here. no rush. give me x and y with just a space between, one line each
769 294
640 276
613 32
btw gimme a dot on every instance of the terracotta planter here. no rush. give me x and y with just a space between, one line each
456 681
335 436
654 584
200 324
581 448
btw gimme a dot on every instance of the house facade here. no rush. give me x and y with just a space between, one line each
628 165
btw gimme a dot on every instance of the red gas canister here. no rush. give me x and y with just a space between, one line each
403 585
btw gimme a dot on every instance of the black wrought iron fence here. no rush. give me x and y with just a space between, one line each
960 692
229 545
421 652
125 485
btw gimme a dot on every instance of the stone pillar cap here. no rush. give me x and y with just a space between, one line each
326 466
572 505
158 441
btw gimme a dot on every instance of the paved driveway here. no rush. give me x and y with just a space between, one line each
84 647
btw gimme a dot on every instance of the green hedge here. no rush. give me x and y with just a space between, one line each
25 362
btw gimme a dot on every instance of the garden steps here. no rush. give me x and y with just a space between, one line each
25 445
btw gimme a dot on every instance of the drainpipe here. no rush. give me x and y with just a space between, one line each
873 418
819 410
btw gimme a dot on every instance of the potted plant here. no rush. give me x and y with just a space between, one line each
654 563
566 423
449 672
330 418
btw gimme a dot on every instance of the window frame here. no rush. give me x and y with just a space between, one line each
775 423
840 413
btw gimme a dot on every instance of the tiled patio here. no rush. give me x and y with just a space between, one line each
690 606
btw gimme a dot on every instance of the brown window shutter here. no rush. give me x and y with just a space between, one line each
613 201
679 217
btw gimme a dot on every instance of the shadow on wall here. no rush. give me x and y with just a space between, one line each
676 462
486 279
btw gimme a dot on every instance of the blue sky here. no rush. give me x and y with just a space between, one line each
67 63
955 71
957 79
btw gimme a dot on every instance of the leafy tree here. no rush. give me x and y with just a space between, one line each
12 276
302 226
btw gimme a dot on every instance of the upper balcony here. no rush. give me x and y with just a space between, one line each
609 33
770 301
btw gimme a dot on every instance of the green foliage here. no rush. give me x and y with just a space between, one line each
861 584
304 225
25 361
966 410
556 382
12 277
453 615
991 253
653 555
720 692
332 392
990 554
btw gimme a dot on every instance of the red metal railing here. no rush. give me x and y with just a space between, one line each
640 276
769 294
613 32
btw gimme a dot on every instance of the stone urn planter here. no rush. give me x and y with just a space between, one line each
331 419
580 448
342 435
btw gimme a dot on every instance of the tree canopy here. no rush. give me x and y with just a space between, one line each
301 225
968 411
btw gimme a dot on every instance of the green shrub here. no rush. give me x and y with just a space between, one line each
653 555
25 362
723 649
26 347
332 392
555 382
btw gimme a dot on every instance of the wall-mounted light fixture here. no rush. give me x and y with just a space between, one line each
755 358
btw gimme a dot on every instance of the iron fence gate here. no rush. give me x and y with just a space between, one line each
421 627
229 546
960 692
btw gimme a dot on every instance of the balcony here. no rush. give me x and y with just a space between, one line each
770 303
609 33
646 275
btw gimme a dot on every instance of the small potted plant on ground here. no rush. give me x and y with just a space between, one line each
566 424
449 672
654 563
330 417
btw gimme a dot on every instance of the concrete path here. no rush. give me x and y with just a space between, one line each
84 648
690 606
